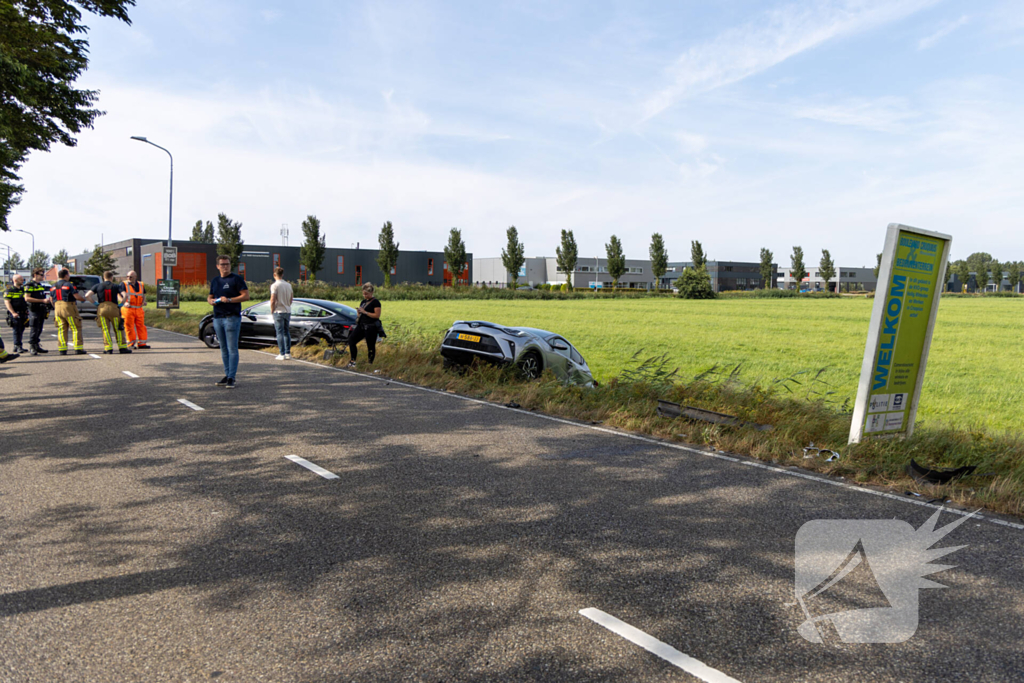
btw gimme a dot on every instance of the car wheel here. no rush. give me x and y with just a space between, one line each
457 368
530 365
209 336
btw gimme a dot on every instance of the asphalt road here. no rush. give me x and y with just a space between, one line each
143 540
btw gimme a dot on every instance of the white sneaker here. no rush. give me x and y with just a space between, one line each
287 356
279 357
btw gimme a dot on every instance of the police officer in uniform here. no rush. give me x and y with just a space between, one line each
65 304
35 296
108 317
17 310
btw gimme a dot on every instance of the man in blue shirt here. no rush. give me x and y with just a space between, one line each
227 292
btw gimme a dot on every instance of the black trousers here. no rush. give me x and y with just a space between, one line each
35 322
360 332
19 328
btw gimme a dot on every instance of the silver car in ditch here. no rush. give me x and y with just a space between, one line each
533 351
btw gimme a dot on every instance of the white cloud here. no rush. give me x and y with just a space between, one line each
270 16
943 31
775 37
885 114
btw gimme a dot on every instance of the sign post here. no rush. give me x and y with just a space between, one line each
900 333
168 294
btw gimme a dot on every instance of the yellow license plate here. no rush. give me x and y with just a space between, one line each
469 338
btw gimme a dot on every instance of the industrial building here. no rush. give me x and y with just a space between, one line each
197 263
848 279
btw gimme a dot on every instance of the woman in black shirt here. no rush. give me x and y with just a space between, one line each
366 326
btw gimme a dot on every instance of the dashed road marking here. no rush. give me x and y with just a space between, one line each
93 355
130 374
310 466
190 404
692 666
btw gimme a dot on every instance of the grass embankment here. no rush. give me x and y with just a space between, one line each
967 413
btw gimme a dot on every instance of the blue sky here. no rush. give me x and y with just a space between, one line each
741 124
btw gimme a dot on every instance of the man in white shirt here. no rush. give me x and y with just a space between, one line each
281 307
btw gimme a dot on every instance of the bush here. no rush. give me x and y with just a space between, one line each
779 294
695 284
566 287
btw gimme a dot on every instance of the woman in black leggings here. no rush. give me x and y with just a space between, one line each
366 326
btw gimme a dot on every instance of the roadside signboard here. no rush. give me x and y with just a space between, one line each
170 257
900 333
168 293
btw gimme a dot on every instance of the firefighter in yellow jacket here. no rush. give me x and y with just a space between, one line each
107 315
65 305
134 311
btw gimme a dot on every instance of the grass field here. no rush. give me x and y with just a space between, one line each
974 369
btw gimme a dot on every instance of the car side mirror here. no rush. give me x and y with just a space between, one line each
250 316
559 346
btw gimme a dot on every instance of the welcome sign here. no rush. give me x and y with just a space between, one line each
902 320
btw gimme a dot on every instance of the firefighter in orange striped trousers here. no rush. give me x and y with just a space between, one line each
134 311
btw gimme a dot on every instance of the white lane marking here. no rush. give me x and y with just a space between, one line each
692 666
95 356
190 404
130 374
656 442
310 466
55 336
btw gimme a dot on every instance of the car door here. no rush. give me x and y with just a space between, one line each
304 316
560 359
257 324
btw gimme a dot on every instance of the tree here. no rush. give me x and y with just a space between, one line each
14 262
796 264
1014 275
455 255
387 255
826 269
767 272
697 255
99 262
40 60
567 255
314 249
659 258
963 273
878 264
513 256
229 239
997 274
616 260
39 259
694 283
201 234
61 258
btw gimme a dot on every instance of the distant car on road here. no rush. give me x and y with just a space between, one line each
533 351
325 321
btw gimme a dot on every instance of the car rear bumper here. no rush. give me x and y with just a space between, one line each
466 356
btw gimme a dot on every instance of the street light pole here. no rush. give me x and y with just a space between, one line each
33 241
8 261
170 205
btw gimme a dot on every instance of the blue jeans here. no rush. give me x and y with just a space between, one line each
281 327
227 330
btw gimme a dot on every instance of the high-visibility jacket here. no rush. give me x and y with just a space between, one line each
136 295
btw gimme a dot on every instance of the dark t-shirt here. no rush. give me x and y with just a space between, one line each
64 290
370 306
16 295
106 291
230 286
36 291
